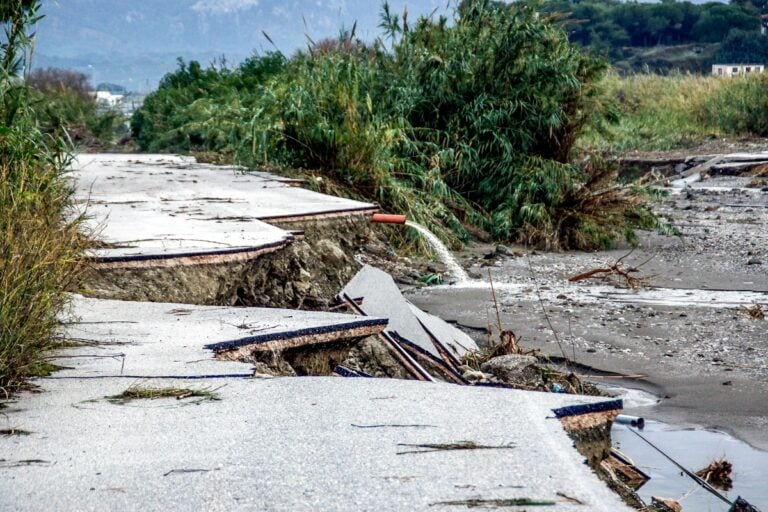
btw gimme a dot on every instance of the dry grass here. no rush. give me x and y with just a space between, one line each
755 312
153 393
40 257
676 111
40 250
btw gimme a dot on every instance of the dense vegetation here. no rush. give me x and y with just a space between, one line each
680 110
39 248
623 30
64 104
469 121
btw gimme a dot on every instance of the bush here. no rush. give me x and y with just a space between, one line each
469 121
65 105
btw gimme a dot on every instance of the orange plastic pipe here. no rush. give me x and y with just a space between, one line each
385 218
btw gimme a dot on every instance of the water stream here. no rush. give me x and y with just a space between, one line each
455 271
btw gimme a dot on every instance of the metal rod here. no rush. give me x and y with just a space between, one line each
695 477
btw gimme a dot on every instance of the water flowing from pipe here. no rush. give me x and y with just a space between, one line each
455 270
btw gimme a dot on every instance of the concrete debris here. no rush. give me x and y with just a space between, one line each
589 426
681 172
514 369
435 345
665 505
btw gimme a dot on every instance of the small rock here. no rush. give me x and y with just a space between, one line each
375 250
414 275
474 376
513 368
503 250
754 261
474 274
408 281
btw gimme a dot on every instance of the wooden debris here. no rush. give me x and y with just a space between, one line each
461 445
497 503
756 312
616 269
624 469
718 474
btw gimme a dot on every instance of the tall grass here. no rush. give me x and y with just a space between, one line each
39 248
665 112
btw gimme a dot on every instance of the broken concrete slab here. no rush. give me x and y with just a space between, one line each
173 230
292 444
450 341
149 208
424 335
150 340
513 368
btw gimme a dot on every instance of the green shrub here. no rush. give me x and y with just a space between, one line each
65 105
469 121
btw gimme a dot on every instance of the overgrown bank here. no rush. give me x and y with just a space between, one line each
658 113
39 249
461 123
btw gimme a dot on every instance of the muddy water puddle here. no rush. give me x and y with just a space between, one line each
694 449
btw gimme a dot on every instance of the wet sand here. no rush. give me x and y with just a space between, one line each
688 333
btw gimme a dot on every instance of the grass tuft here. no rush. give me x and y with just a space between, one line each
154 393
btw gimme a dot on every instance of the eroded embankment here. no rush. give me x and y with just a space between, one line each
304 273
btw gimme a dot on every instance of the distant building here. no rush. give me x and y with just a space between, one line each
728 70
108 99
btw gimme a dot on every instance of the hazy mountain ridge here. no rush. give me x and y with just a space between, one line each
109 39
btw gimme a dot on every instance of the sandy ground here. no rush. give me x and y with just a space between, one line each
687 333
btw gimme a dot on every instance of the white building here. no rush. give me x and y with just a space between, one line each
728 70
109 99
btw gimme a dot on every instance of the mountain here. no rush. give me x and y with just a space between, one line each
135 42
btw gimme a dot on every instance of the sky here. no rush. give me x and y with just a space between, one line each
134 42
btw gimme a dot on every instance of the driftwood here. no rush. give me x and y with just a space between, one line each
718 473
616 269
